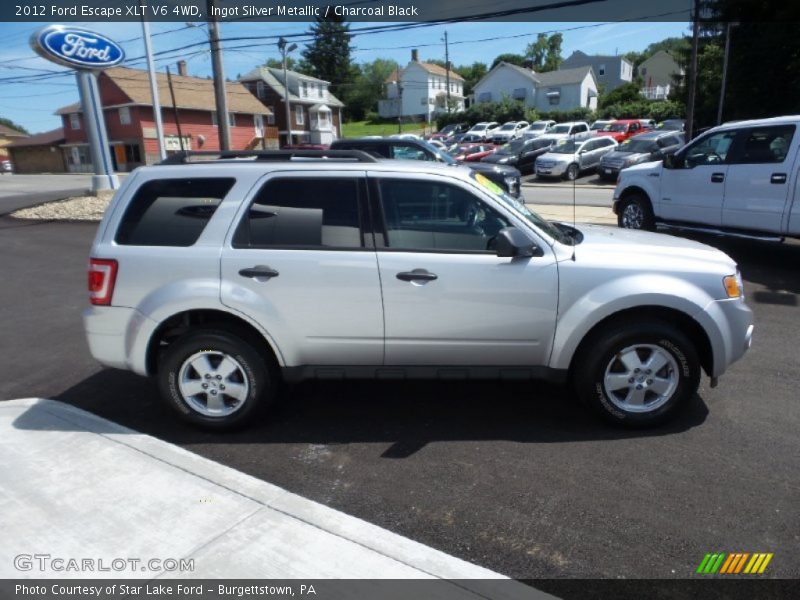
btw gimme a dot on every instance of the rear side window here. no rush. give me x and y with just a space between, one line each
171 212
763 145
303 213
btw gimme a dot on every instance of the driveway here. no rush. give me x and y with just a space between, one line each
515 478
22 191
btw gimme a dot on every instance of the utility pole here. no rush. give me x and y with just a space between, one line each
725 70
175 111
399 102
693 73
285 51
151 69
447 68
220 91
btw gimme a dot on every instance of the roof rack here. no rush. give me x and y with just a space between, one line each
204 156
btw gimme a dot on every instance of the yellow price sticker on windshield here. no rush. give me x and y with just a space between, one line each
488 183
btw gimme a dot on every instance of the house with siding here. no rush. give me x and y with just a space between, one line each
610 71
39 153
564 89
8 135
658 73
129 117
315 113
420 91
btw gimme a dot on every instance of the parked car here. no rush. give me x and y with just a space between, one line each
538 128
6 166
469 138
222 278
509 131
521 154
508 178
462 152
648 123
738 178
645 147
484 129
305 146
622 129
599 125
448 131
438 143
477 156
672 125
570 158
575 130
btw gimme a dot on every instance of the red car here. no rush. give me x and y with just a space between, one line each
472 152
622 129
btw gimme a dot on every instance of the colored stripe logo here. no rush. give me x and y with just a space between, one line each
734 563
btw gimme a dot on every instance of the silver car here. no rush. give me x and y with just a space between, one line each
570 158
222 277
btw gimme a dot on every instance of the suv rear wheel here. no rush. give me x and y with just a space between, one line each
638 373
216 379
635 212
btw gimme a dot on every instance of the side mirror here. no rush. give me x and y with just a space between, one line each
511 242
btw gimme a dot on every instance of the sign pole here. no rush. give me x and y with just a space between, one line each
104 177
151 70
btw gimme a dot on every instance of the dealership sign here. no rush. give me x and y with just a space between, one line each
76 48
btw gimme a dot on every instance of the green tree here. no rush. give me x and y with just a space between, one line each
12 125
472 74
620 95
368 87
277 63
328 56
514 59
545 52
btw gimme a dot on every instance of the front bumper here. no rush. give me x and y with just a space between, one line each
557 170
608 172
734 321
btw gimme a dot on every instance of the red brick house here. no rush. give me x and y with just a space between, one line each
315 113
128 111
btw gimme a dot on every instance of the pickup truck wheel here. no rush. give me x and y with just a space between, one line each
572 172
635 212
638 373
216 379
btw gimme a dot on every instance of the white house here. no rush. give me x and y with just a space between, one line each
657 73
420 89
564 89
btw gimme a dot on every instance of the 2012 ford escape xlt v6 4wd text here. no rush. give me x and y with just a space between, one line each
221 277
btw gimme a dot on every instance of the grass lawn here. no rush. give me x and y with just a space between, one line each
362 128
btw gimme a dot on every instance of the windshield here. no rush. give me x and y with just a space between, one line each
565 147
562 129
508 127
616 127
478 127
599 125
518 207
514 147
447 129
538 127
634 145
440 154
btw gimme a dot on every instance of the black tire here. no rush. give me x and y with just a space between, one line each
572 172
256 371
636 212
603 351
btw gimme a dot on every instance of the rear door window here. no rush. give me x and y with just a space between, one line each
303 213
763 145
171 212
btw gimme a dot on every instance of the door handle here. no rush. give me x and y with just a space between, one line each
778 178
259 271
717 177
417 275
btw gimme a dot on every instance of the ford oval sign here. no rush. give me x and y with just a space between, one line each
76 48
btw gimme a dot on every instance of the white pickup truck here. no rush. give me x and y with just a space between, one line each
739 178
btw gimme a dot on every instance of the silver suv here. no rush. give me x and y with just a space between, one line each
223 277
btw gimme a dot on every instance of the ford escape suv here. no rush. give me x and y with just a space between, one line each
221 276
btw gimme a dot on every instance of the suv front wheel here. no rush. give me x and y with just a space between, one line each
638 373
216 379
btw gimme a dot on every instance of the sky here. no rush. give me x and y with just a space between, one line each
33 104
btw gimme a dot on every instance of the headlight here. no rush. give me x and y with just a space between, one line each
503 160
734 287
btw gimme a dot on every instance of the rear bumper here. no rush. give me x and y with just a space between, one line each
115 339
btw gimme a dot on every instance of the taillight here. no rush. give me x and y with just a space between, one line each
102 276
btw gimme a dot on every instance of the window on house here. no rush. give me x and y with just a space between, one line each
305 89
215 120
271 115
485 97
125 115
519 94
260 89
601 70
299 115
321 91
75 121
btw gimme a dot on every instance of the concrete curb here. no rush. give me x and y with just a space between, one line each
59 458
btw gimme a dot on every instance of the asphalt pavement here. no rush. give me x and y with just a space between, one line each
514 478
22 191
